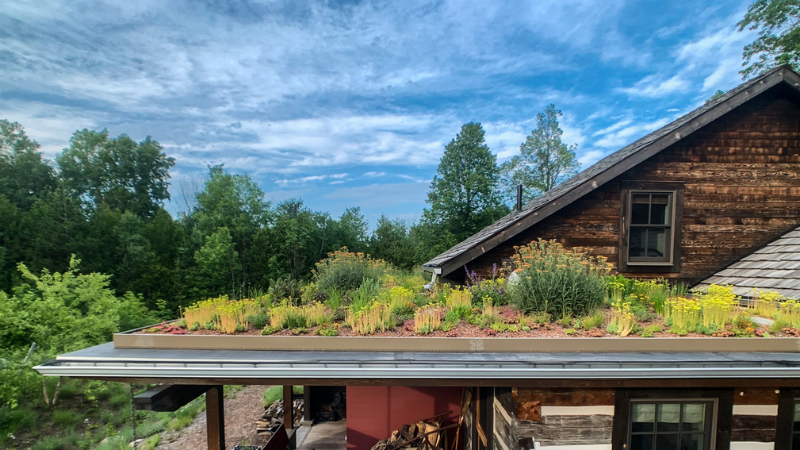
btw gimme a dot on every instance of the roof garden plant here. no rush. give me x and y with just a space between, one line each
347 271
562 282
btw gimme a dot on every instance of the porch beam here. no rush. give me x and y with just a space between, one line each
168 398
215 418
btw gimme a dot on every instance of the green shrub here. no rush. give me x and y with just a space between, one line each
558 281
334 300
346 271
570 331
259 320
363 295
285 288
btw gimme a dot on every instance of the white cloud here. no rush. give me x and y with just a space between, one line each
381 195
629 134
374 174
654 86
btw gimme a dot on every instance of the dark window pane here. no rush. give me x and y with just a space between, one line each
667 442
659 209
694 414
656 242
643 417
669 415
637 242
642 442
640 209
692 442
796 442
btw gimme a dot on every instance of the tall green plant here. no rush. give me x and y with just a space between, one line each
346 271
558 281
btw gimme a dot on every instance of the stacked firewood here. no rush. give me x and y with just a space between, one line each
424 435
273 417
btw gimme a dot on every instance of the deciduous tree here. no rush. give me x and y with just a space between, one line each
778 41
463 194
544 160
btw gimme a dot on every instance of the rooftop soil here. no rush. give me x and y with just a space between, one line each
467 330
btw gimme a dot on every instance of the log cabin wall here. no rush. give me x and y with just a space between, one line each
563 418
741 178
755 418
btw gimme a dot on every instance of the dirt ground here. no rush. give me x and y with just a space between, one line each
241 411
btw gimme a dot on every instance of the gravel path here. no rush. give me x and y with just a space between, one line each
241 411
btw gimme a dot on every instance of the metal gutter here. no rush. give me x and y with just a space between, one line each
390 371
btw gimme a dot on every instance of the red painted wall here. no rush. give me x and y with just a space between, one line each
373 412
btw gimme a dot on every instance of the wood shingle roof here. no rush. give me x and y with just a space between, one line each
775 267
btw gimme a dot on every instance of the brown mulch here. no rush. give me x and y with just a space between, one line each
465 329
242 409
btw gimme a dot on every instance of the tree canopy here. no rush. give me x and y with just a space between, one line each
544 160
778 41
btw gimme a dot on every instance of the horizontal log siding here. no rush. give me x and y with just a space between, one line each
580 416
742 189
754 415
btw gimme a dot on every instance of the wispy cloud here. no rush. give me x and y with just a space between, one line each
654 86
308 95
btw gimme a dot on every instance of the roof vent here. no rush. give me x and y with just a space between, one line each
519 197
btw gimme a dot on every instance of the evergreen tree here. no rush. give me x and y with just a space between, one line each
391 242
544 161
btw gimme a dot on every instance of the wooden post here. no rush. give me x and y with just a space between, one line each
215 418
288 410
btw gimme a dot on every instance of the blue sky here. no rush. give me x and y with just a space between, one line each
350 103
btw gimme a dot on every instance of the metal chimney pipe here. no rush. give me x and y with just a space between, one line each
519 197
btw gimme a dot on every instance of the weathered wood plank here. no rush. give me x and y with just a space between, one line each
753 428
756 396
565 397
568 430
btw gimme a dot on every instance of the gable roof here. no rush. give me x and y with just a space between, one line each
605 170
775 267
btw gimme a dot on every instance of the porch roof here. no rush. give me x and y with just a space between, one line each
403 368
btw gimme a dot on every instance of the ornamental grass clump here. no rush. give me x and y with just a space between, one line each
346 271
204 314
622 320
682 314
562 282
767 303
428 319
460 302
287 316
790 313
719 305
374 317
317 314
234 316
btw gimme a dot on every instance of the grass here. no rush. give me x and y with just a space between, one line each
97 412
67 418
275 393
51 443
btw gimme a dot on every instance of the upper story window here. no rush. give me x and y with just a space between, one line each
650 225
